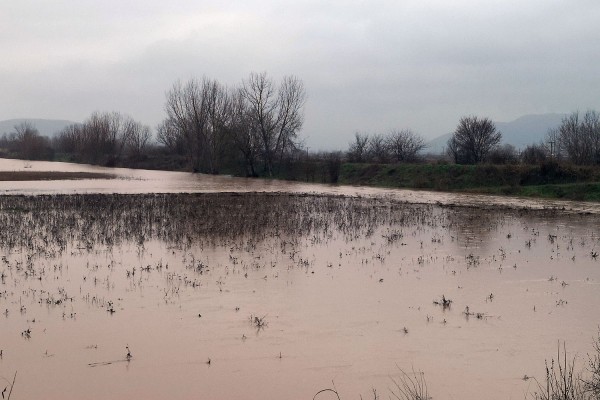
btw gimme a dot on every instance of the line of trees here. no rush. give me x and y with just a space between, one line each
476 140
26 142
396 146
252 128
255 124
104 138
577 139
210 128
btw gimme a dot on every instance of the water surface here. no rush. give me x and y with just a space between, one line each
345 289
145 181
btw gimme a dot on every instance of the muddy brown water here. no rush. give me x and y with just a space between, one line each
343 281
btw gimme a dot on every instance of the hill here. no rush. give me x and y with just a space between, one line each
523 131
46 127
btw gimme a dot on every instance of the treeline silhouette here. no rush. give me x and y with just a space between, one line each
251 129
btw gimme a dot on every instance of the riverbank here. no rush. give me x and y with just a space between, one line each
14 176
550 181
546 181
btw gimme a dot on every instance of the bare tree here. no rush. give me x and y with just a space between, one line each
453 149
357 151
473 139
69 139
138 138
404 145
168 135
591 131
572 140
579 138
552 144
244 134
186 113
291 99
25 130
198 115
259 94
28 142
218 123
275 113
377 149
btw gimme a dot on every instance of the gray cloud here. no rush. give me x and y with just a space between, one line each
367 66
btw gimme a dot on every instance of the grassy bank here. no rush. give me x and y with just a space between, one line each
551 181
570 191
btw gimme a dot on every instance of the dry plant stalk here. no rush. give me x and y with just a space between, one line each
562 381
410 387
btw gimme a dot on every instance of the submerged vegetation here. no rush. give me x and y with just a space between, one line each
47 224
263 273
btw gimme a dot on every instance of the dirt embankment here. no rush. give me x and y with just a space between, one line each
50 175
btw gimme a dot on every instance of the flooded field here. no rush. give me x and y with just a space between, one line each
281 295
135 181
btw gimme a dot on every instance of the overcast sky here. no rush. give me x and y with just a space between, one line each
367 66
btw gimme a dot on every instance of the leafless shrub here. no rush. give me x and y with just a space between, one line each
592 382
579 138
534 154
562 381
410 386
505 154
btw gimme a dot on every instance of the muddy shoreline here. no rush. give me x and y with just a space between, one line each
11 176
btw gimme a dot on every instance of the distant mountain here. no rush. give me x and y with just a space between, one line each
46 127
523 131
